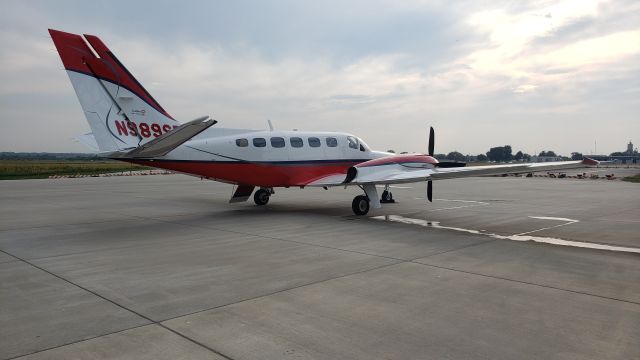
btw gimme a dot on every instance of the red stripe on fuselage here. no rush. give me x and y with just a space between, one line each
258 174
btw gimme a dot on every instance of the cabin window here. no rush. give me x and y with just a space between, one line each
296 142
277 142
259 142
242 142
332 142
314 142
353 143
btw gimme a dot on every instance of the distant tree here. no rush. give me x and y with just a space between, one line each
495 154
618 153
481 157
440 156
547 153
456 156
526 157
576 156
518 156
391 151
500 153
507 153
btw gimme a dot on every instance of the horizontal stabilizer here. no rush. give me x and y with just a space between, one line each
88 140
164 143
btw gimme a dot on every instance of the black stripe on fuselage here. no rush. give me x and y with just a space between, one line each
280 163
124 68
157 108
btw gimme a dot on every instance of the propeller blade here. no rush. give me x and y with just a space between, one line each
450 164
432 139
430 191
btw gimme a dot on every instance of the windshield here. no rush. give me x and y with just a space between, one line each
363 145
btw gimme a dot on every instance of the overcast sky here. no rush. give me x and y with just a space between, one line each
538 75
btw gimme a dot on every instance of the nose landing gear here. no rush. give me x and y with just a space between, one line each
387 196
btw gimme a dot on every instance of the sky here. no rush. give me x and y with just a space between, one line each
561 75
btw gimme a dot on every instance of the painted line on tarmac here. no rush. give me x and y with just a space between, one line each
566 221
517 237
473 203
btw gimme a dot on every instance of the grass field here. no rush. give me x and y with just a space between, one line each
40 169
633 179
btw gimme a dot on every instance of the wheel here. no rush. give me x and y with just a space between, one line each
360 205
387 197
261 197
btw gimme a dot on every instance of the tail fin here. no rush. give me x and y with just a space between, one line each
121 112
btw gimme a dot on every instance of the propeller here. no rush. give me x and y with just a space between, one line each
441 164
432 143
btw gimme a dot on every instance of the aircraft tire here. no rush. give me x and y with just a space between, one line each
261 197
360 205
387 197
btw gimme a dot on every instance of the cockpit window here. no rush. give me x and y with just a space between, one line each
353 143
363 146
259 142
332 142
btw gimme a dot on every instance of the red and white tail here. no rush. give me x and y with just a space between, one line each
121 113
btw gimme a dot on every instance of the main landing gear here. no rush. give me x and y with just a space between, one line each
362 203
261 197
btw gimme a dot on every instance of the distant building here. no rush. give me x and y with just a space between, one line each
629 156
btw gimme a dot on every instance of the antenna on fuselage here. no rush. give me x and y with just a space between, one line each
270 125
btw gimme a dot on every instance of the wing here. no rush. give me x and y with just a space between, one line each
397 172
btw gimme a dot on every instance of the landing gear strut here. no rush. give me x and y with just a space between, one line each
261 197
360 205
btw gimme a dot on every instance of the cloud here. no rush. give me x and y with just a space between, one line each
383 70
524 88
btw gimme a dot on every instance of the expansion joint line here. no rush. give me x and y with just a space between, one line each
151 321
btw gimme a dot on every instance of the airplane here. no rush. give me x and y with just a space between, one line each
128 124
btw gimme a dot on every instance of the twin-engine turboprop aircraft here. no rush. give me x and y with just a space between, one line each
128 124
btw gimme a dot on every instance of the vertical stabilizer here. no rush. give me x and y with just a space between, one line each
120 111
